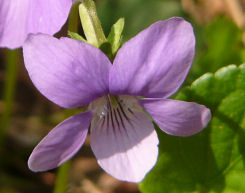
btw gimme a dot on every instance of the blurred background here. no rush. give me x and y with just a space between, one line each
26 116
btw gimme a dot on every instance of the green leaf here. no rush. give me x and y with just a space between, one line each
115 36
218 44
76 36
213 160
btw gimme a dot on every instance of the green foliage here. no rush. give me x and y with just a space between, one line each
76 36
218 44
115 36
114 40
90 22
213 160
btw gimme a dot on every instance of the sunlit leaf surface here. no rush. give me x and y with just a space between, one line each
213 160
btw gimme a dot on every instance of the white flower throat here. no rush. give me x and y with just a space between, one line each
114 110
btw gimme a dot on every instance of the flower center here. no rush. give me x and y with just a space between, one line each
115 113
121 105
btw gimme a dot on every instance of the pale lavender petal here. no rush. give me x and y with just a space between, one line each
156 61
177 117
18 18
68 72
61 143
125 143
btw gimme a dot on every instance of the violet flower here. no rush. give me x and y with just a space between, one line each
72 74
18 18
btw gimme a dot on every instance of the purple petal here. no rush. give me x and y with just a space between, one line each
125 143
156 61
61 143
68 72
177 117
18 18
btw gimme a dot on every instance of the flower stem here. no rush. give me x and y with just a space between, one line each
62 178
9 92
91 23
63 171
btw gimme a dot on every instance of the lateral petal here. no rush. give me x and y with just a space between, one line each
61 143
68 72
177 117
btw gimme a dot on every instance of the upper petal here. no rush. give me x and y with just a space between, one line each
177 117
124 142
18 18
61 143
68 72
156 61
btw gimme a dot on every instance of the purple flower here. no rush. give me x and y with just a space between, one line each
18 18
72 74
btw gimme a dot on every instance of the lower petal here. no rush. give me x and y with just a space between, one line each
124 141
61 143
177 117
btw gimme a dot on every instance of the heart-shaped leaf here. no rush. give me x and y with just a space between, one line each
213 160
